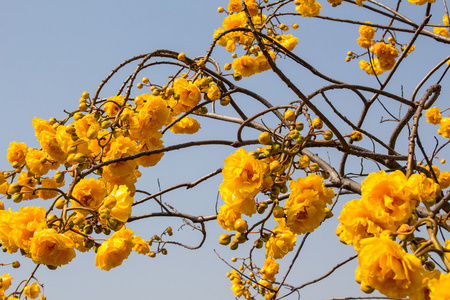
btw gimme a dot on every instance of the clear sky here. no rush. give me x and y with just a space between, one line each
51 51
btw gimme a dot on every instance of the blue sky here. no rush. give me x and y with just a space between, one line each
52 51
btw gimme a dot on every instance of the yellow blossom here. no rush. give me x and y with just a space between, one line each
121 147
433 115
366 31
50 144
245 65
122 210
25 223
282 242
153 115
189 94
151 143
6 281
441 31
386 267
28 183
423 189
444 179
187 125
41 125
39 163
289 41
140 246
227 217
17 153
87 128
90 192
309 11
444 128
32 291
234 6
234 21
270 269
115 250
111 106
49 247
305 215
6 239
49 183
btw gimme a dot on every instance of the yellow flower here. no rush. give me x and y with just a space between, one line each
441 31
17 153
444 128
187 125
90 192
152 143
51 248
364 43
242 180
241 204
24 224
6 239
28 183
263 64
270 269
444 179
366 31
122 210
140 246
234 6
223 40
39 163
289 41
87 128
384 51
433 115
121 147
6 281
388 198
309 11
282 242
213 92
111 106
189 93
227 217
252 7
41 125
65 141
115 250
423 189
129 180
245 65
439 287
32 291
234 21
385 266
50 144
306 215
153 115
312 183
357 223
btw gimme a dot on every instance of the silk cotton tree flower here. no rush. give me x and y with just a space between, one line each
242 180
115 250
51 248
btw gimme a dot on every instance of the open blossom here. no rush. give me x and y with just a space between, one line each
388 197
242 180
17 153
270 269
90 192
115 250
122 210
386 267
111 106
305 216
366 31
151 143
245 65
153 115
227 217
444 128
25 223
87 127
49 247
187 125
289 41
423 189
6 239
357 223
140 246
439 287
121 147
433 115
282 242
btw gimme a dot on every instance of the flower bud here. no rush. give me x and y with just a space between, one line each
289 115
240 225
15 264
224 239
356 136
234 245
299 126
278 212
317 123
225 101
265 138
327 135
